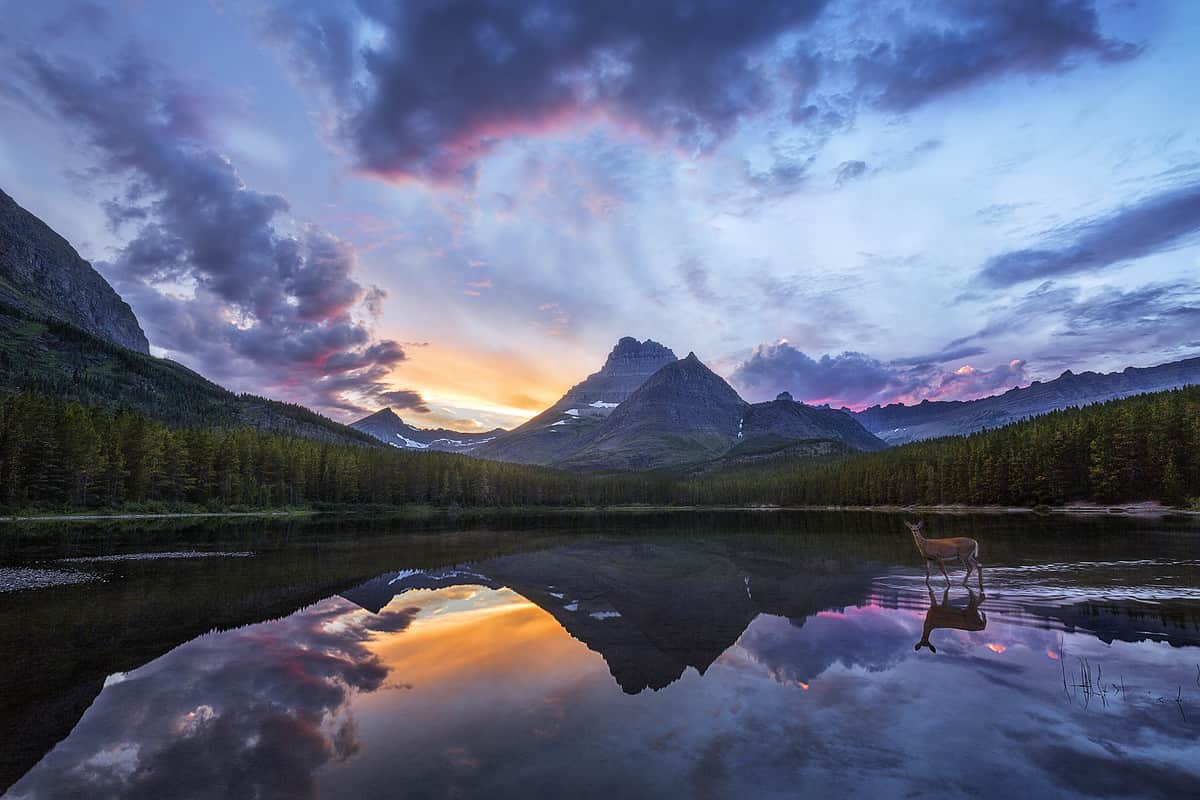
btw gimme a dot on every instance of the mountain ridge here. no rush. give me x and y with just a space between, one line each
898 423
65 332
387 426
566 424
682 413
42 275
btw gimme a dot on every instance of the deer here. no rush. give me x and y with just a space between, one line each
944 615
939 551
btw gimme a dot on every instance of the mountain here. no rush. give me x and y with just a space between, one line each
563 427
42 275
64 332
683 413
652 608
386 426
60 360
785 419
645 409
898 423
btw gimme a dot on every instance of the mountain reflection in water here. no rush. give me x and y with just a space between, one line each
653 667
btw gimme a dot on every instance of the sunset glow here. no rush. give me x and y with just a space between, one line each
807 199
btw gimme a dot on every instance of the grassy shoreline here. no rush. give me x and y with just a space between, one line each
427 512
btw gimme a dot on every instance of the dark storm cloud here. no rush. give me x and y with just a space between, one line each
969 43
443 82
848 377
1153 224
432 87
856 379
271 299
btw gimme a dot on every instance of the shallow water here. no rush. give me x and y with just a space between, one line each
671 655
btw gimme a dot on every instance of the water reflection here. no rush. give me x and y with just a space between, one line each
944 615
627 667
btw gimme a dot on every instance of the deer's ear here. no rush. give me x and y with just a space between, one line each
921 525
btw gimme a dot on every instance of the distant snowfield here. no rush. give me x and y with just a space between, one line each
413 444
409 443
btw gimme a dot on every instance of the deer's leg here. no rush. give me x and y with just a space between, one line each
942 564
970 562
979 572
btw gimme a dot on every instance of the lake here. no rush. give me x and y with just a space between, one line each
748 654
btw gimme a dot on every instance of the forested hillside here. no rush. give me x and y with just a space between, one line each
57 454
59 360
1139 448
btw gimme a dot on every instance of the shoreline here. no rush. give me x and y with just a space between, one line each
1144 509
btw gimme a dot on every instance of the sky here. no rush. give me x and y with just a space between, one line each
456 208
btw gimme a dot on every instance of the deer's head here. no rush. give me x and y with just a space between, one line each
917 528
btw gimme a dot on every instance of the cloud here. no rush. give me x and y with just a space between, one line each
967 381
253 712
963 44
695 278
802 651
1105 322
857 380
842 379
1150 225
425 91
221 275
435 86
850 170
405 398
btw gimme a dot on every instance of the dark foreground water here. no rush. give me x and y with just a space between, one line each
691 655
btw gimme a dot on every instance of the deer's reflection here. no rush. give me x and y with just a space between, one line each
944 615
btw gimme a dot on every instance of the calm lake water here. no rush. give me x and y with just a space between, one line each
686 655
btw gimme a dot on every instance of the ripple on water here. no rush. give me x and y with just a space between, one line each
15 579
155 556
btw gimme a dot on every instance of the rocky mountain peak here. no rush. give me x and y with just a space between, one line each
384 415
42 275
631 357
784 396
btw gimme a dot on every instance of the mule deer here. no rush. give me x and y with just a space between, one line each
939 551
947 616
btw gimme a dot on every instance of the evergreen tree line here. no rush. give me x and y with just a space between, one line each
1145 447
60 454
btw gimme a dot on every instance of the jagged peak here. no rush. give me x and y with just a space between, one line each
629 356
628 346
383 414
785 396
